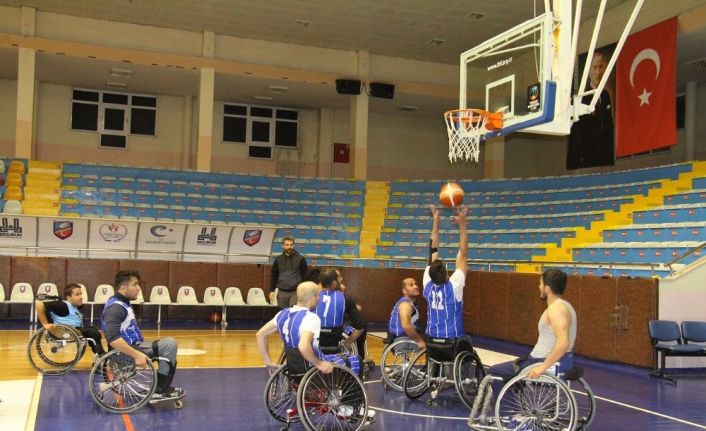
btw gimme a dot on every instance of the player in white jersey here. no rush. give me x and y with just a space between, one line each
557 332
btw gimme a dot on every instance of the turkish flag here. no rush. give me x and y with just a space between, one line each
646 90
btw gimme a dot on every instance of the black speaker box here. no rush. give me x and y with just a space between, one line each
348 86
384 91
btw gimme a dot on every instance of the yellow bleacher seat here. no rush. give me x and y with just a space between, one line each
13 194
14 180
35 194
44 186
16 166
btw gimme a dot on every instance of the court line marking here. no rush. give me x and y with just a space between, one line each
640 409
34 404
418 415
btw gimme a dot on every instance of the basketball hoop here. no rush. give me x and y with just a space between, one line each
466 128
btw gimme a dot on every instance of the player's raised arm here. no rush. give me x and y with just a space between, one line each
434 241
462 256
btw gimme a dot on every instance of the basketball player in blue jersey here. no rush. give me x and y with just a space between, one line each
67 312
123 335
333 307
444 294
299 329
404 315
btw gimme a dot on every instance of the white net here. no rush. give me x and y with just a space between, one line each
465 127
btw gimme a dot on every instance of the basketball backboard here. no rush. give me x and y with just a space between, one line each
512 73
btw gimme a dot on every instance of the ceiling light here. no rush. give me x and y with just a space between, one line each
409 108
263 98
120 73
475 15
302 23
116 85
277 88
436 41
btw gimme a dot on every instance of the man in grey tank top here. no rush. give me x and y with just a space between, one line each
557 331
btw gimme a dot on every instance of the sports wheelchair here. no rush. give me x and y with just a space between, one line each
335 401
432 368
118 386
58 351
395 360
561 401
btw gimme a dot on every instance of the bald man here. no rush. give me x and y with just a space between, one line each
404 315
299 329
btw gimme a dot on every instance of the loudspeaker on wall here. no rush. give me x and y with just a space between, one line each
348 86
384 91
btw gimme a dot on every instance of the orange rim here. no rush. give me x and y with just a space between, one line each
495 119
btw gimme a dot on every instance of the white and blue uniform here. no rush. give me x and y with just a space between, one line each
129 331
394 325
445 306
291 322
331 308
74 318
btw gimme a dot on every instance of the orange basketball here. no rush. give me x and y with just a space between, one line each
451 195
214 317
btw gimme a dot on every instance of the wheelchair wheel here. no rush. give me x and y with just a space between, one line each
468 373
544 403
281 396
335 401
416 376
118 386
56 352
585 403
395 360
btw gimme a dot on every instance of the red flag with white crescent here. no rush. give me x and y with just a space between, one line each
646 90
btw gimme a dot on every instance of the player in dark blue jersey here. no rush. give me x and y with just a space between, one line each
444 294
334 306
123 334
404 315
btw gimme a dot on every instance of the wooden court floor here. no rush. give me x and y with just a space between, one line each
203 348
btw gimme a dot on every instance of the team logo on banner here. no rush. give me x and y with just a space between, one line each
252 236
8 230
112 232
63 229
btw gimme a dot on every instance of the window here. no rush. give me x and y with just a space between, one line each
261 128
113 115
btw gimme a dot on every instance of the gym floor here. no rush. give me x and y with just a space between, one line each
222 374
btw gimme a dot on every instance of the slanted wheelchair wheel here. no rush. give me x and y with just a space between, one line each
335 401
56 352
585 403
281 396
120 387
544 403
468 373
416 376
395 360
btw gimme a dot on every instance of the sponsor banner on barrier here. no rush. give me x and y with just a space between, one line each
113 234
64 233
207 239
249 241
161 237
18 230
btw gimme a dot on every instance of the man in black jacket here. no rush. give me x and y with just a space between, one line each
288 270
